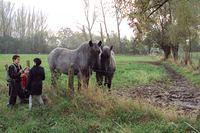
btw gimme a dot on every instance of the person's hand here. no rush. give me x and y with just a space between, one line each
21 71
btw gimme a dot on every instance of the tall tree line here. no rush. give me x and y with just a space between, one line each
22 30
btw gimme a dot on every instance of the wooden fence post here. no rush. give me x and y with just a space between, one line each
6 67
28 63
71 80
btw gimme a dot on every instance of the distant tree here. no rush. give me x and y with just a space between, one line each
69 38
101 33
87 10
119 17
163 17
22 30
185 27
6 18
102 5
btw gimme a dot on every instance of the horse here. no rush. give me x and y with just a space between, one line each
81 60
106 67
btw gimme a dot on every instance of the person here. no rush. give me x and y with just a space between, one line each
34 84
14 80
24 77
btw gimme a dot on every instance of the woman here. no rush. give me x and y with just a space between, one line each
34 84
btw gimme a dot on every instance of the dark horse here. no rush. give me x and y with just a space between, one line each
106 67
81 60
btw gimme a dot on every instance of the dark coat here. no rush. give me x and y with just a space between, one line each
35 78
13 72
15 83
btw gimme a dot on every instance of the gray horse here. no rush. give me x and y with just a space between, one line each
106 67
81 60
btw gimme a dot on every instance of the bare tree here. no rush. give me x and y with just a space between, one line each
81 27
104 20
20 25
6 18
119 18
84 32
30 26
87 16
101 32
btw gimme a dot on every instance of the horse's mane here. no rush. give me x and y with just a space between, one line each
82 46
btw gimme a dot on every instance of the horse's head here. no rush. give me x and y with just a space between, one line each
95 48
106 56
106 52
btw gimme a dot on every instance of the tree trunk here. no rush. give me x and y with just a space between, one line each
101 32
167 51
84 33
105 25
175 52
118 30
119 38
187 59
90 34
149 49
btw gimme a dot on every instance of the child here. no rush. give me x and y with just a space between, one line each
24 91
24 77
34 84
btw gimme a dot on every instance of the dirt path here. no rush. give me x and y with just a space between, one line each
177 92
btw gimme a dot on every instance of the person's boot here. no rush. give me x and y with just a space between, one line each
9 105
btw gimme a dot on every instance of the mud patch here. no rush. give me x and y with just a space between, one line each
176 92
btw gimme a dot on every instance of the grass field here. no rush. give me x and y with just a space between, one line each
128 72
195 57
93 111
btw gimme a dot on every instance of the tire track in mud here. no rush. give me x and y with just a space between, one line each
176 92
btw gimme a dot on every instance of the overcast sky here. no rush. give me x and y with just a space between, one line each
69 13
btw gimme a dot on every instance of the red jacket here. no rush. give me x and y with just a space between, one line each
24 78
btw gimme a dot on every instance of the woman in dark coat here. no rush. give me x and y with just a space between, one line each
34 85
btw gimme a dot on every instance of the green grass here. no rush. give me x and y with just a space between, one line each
92 111
195 57
128 72
192 76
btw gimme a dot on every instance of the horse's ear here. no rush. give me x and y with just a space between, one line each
90 43
99 43
111 47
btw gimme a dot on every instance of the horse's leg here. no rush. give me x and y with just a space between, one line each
71 81
99 79
79 81
53 80
109 82
87 81
106 80
57 75
83 79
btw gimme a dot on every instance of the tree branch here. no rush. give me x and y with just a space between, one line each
157 8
